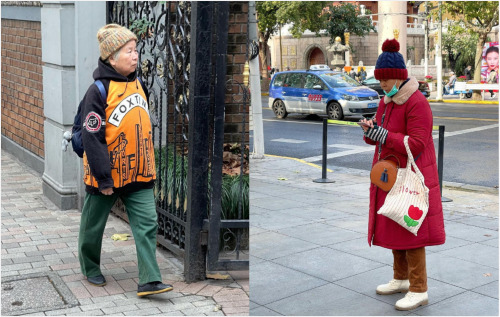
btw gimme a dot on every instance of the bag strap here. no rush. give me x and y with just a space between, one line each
385 158
102 90
140 80
382 125
411 161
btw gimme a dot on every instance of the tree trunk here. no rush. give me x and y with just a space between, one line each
476 95
452 58
263 51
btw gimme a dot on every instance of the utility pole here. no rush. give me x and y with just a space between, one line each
255 89
426 44
281 52
439 57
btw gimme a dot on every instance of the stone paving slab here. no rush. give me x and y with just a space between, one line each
365 283
275 220
19 297
451 243
354 223
327 264
476 253
271 282
315 213
360 248
490 289
272 245
40 238
465 304
320 233
469 233
329 269
263 311
331 299
465 274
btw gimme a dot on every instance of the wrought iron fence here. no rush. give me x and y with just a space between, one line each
228 218
189 137
163 29
228 250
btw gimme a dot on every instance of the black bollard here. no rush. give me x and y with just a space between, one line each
440 163
323 178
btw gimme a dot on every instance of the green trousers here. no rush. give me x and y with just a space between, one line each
141 211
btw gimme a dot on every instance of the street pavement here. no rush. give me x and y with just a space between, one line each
488 99
310 256
41 273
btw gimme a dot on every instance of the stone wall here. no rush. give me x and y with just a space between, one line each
296 52
22 87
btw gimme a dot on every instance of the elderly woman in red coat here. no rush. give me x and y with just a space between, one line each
403 111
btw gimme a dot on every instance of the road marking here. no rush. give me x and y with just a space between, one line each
350 123
289 141
354 149
471 102
486 127
465 119
299 160
343 122
285 121
350 146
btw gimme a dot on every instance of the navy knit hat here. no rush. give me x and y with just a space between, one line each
390 64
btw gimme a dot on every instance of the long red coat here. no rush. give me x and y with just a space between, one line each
407 113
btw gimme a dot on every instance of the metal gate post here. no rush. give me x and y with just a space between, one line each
199 108
218 144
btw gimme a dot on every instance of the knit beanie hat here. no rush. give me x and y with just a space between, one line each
390 64
112 37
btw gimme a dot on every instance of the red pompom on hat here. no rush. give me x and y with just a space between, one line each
390 46
391 64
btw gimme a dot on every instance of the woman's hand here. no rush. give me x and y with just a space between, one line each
377 134
370 123
107 191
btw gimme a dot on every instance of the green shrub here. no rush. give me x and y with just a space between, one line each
179 170
235 188
232 188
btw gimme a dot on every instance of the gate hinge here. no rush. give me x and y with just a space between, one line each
204 237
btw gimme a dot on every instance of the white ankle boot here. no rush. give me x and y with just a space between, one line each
412 301
393 287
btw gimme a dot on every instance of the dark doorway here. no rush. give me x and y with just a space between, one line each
316 57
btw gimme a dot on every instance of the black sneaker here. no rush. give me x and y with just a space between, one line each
153 288
98 280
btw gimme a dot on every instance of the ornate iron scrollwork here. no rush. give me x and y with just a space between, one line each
164 34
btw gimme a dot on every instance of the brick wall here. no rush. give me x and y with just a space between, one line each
236 57
22 89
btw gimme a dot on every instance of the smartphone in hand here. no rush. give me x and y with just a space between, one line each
363 124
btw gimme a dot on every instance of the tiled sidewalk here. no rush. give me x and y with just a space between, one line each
310 254
38 238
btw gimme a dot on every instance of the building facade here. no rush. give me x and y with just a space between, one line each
311 49
49 52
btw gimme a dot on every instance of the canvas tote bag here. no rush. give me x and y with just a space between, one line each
408 201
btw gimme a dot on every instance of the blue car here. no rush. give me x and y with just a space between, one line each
320 92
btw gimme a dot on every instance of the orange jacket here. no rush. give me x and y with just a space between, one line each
117 136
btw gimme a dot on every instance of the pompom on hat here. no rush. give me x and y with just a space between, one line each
112 37
391 64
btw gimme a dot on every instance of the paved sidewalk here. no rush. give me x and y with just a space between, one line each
456 99
310 254
41 273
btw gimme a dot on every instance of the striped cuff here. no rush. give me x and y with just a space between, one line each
377 134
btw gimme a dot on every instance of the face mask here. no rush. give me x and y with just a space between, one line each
393 91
